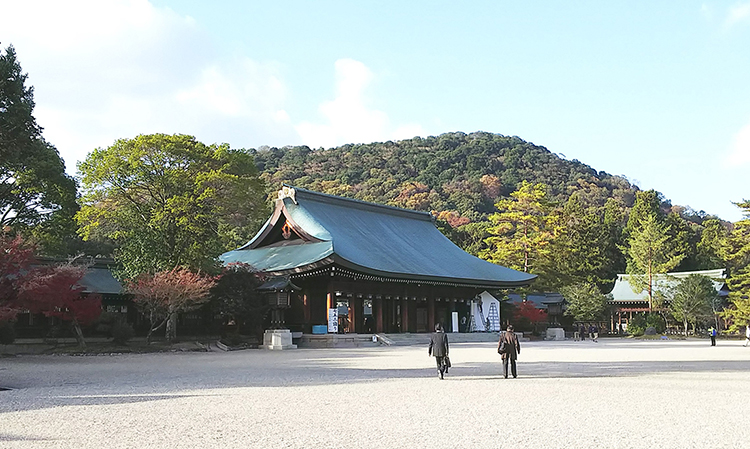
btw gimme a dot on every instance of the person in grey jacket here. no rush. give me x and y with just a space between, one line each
439 348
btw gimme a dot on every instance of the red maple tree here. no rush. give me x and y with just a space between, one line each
55 291
165 294
528 311
16 259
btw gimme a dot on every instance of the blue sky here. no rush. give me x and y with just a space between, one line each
656 91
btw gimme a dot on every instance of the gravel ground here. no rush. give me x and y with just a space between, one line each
615 393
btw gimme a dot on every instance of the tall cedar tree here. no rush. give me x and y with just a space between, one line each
169 201
523 229
693 299
650 252
737 254
582 253
37 197
55 291
163 295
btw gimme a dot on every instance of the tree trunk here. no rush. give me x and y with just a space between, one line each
171 332
686 327
79 334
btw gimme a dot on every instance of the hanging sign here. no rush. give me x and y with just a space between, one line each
333 321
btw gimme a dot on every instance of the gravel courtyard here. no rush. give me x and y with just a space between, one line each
615 393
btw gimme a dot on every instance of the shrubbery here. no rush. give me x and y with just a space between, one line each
7 333
640 323
121 333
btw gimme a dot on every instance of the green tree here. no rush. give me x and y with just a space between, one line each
692 299
169 201
710 248
523 229
37 197
236 299
649 253
737 253
582 253
585 302
647 204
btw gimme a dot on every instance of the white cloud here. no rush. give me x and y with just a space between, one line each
348 117
104 70
740 12
740 152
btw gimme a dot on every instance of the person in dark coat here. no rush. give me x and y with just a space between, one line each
439 349
512 349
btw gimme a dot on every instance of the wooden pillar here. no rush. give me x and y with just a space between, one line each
306 308
430 314
405 315
355 306
329 305
377 305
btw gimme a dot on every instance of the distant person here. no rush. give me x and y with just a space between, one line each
439 349
594 333
747 335
512 349
582 331
712 332
576 333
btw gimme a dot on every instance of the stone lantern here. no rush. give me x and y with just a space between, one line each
278 292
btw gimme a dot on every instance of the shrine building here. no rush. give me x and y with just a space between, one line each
625 301
384 269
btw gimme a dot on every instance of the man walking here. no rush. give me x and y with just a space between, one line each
747 334
439 348
712 332
511 349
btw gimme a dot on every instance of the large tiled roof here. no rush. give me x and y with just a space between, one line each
368 238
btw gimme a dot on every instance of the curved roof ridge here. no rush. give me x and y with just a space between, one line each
360 204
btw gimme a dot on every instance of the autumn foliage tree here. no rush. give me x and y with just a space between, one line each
165 294
16 258
527 312
56 291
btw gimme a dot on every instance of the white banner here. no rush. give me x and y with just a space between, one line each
333 321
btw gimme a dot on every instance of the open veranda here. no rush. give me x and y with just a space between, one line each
615 393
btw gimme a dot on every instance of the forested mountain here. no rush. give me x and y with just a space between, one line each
461 175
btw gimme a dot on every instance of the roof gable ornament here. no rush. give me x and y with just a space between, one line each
288 192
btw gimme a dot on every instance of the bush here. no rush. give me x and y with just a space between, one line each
121 333
657 322
7 333
637 325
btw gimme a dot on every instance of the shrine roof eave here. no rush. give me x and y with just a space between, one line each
347 269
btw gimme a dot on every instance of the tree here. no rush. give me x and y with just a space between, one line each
165 294
523 229
693 298
55 291
737 253
237 300
582 253
650 252
36 195
527 312
585 302
16 259
710 248
169 201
